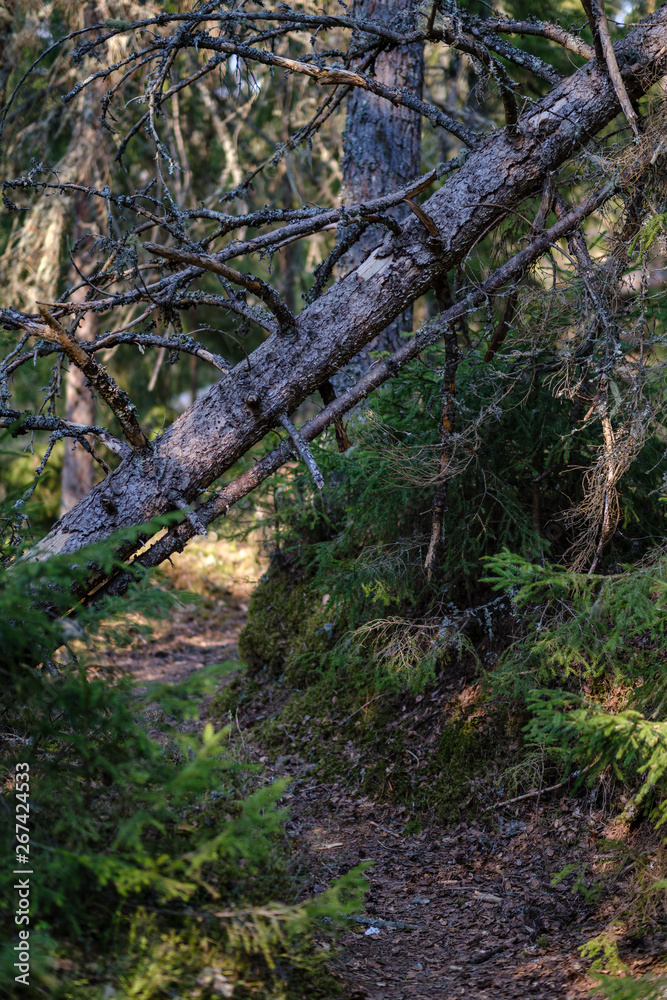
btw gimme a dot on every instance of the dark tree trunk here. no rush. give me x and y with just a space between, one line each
381 146
447 423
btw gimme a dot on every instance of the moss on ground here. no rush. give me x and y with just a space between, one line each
289 630
233 696
439 761
427 752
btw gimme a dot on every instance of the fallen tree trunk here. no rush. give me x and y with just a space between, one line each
176 538
237 412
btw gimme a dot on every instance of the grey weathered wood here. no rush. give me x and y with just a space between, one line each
176 537
381 146
237 412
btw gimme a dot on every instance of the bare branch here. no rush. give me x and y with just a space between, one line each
25 423
176 538
542 29
260 288
303 450
335 75
117 400
600 27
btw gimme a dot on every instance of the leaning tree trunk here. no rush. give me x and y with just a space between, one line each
381 146
227 420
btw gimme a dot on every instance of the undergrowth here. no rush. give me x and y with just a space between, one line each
156 858
562 670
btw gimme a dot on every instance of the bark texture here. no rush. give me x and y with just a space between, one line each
447 423
78 475
238 411
382 146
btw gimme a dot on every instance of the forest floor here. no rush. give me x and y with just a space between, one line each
468 911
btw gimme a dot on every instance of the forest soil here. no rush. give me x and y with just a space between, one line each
468 911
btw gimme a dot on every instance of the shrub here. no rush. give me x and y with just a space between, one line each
156 859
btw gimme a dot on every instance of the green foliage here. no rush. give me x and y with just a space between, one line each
286 629
590 666
585 636
626 741
581 628
630 988
603 950
535 767
466 752
35 602
360 547
381 509
154 852
651 231
591 891
181 700
347 729
384 628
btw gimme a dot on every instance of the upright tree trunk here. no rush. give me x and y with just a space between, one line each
78 475
381 145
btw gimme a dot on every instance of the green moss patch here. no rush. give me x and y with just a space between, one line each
428 754
288 629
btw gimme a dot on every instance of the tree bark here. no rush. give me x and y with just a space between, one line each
78 475
381 145
238 411
447 422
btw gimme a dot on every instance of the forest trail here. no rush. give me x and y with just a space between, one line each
464 912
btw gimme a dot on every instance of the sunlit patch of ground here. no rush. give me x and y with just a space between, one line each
215 566
211 581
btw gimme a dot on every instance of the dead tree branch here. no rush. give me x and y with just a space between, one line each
116 399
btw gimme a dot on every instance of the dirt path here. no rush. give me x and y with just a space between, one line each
184 643
450 913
